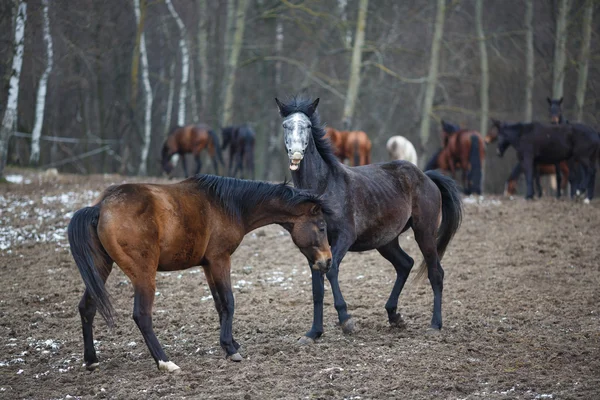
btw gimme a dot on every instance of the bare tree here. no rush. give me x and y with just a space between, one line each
238 38
560 55
41 94
432 77
203 55
347 34
485 76
139 7
584 57
185 63
9 121
529 69
354 83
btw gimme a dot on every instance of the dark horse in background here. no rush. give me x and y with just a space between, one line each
145 228
190 139
463 148
550 144
372 205
240 140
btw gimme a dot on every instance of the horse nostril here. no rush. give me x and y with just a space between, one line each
328 264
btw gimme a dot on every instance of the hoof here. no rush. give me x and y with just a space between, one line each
433 331
397 322
92 367
586 201
305 340
348 326
235 357
168 366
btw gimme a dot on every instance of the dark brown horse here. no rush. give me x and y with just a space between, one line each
190 139
540 169
146 228
358 148
240 140
466 148
372 205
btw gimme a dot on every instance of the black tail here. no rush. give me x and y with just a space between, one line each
451 213
89 255
217 146
356 154
475 173
433 161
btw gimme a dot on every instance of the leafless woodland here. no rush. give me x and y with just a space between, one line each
116 83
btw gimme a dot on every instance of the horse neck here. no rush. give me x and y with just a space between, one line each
313 172
272 211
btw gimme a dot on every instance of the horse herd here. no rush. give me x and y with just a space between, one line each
331 209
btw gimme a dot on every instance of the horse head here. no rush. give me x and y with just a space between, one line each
297 127
555 110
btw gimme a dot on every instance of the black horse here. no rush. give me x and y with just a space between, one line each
372 205
550 144
555 109
240 140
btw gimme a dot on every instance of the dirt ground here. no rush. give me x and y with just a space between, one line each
521 312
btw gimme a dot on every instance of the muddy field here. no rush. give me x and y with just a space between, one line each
521 312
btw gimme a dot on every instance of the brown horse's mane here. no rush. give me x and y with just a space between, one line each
323 145
238 197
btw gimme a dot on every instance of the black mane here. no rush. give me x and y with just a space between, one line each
238 197
323 145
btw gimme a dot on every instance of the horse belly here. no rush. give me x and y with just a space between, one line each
379 233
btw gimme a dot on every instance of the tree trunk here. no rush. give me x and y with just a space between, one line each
9 121
560 56
147 90
485 77
170 97
584 57
347 34
433 72
40 104
202 75
238 39
530 61
140 17
185 64
354 82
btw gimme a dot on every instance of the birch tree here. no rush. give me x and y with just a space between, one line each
433 71
40 104
238 38
147 88
560 44
354 83
485 77
343 8
529 68
9 121
185 63
584 57
203 55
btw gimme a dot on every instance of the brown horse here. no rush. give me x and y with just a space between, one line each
358 148
540 169
467 149
146 228
338 141
190 139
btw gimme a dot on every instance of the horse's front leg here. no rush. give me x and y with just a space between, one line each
528 167
217 300
558 180
198 163
184 165
538 183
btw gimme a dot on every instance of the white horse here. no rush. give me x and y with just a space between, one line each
399 148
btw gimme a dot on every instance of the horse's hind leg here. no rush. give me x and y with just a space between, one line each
403 263
87 312
198 163
425 237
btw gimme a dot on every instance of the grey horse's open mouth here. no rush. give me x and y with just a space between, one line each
295 160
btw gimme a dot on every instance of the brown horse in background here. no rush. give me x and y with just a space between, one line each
338 141
190 139
467 149
145 228
358 148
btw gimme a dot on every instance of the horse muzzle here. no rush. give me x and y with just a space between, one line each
295 159
322 265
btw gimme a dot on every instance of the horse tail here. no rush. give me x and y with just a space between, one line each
215 139
356 152
475 172
451 214
89 254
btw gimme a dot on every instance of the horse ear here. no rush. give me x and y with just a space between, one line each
313 107
279 106
548 100
315 209
560 101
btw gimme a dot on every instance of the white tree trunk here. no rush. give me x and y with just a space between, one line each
9 121
584 58
530 61
560 57
185 63
485 77
433 72
170 97
41 94
354 83
149 98
203 56
343 8
238 38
